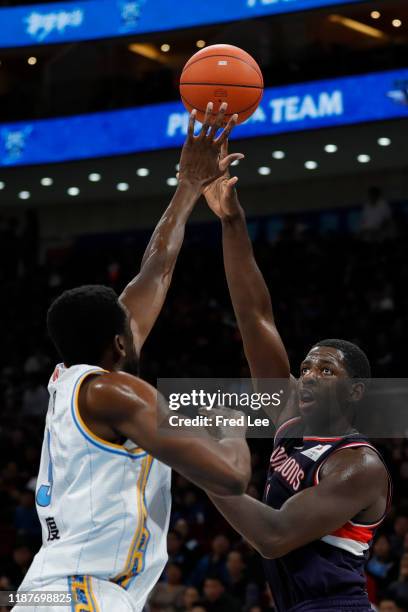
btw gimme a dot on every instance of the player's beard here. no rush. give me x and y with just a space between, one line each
329 410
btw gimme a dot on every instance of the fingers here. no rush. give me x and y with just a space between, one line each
219 121
232 182
226 133
227 161
207 121
191 123
224 149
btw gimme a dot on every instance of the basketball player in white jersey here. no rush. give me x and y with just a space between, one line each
103 490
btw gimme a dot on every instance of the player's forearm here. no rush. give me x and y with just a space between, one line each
165 244
254 520
144 296
248 290
216 467
236 452
220 466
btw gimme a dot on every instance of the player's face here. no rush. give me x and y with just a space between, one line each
323 385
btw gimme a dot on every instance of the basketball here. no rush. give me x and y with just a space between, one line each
222 73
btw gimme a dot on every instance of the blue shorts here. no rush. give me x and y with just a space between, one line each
338 604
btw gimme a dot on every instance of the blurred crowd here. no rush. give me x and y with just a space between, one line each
324 283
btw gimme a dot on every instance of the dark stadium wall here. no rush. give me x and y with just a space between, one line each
67 219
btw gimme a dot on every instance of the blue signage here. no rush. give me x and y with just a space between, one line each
62 22
307 106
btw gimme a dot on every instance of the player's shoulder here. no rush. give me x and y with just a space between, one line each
359 462
122 380
118 391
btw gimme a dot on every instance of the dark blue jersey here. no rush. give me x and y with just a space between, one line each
330 569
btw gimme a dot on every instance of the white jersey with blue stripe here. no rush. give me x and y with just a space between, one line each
104 508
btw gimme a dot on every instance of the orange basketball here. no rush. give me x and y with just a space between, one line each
222 73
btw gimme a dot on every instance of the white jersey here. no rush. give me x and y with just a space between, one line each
104 508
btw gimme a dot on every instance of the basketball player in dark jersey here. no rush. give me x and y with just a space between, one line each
325 494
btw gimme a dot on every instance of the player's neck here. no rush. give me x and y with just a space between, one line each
333 429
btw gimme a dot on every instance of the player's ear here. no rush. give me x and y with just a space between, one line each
357 391
119 344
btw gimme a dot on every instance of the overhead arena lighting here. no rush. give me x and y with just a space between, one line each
357 26
311 165
142 172
73 191
94 177
278 154
363 158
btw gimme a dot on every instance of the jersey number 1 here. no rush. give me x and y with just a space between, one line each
44 493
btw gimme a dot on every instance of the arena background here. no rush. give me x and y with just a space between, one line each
332 248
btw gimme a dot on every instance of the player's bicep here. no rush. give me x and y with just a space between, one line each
194 458
135 410
143 299
318 511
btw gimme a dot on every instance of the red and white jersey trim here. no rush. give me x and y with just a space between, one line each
351 546
353 537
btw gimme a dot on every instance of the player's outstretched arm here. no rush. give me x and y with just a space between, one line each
251 299
132 408
355 480
144 296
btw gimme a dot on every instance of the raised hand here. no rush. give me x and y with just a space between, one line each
221 194
201 162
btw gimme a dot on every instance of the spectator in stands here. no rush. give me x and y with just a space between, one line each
35 398
37 363
191 597
376 213
390 605
16 568
400 531
25 516
216 599
381 563
190 543
5 584
167 596
399 589
406 543
214 563
238 584
178 553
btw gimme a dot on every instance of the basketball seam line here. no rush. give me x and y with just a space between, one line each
257 70
225 85
244 110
